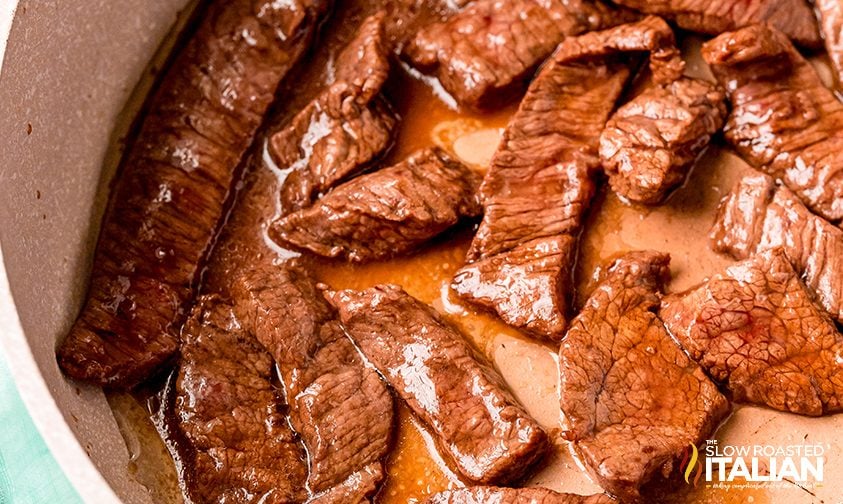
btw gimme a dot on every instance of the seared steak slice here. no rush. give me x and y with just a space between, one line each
650 143
539 186
342 130
477 424
784 121
831 24
175 180
342 409
385 213
758 215
631 399
497 495
237 445
492 46
756 328
793 17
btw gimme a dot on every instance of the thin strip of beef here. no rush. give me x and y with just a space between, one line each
175 180
793 17
484 51
757 328
345 128
784 121
341 409
831 24
498 495
477 424
632 400
758 215
237 446
539 186
387 212
650 143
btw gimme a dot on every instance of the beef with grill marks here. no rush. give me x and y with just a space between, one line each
497 495
632 401
476 422
759 215
784 121
488 50
540 183
650 143
387 212
168 201
793 17
756 328
234 441
344 129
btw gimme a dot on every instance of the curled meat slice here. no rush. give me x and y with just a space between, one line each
632 401
757 328
497 495
650 143
344 129
784 121
234 441
387 212
175 180
793 17
540 183
476 422
758 215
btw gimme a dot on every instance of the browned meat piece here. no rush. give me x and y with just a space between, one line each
237 446
540 183
385 213
492 46
756 327
794 17
175 180
784 121
477 424
831 24
650 143
496 495
342 130
631 399
757 215
341 409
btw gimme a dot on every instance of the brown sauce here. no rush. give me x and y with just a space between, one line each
415 470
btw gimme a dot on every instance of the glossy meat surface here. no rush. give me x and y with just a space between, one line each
497 495
540 184
756 328
758 215
474 420
793 17
237 447
632 400
650 143
831 25
784 121
175 180
387 212
345 128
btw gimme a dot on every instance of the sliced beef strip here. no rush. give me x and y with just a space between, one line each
497 495
175 180
631 399
385 213
341 408
540 183
759 215
477 424
650 143
237 446
831 24
784 121
345 128
793 17
757 328
492 46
